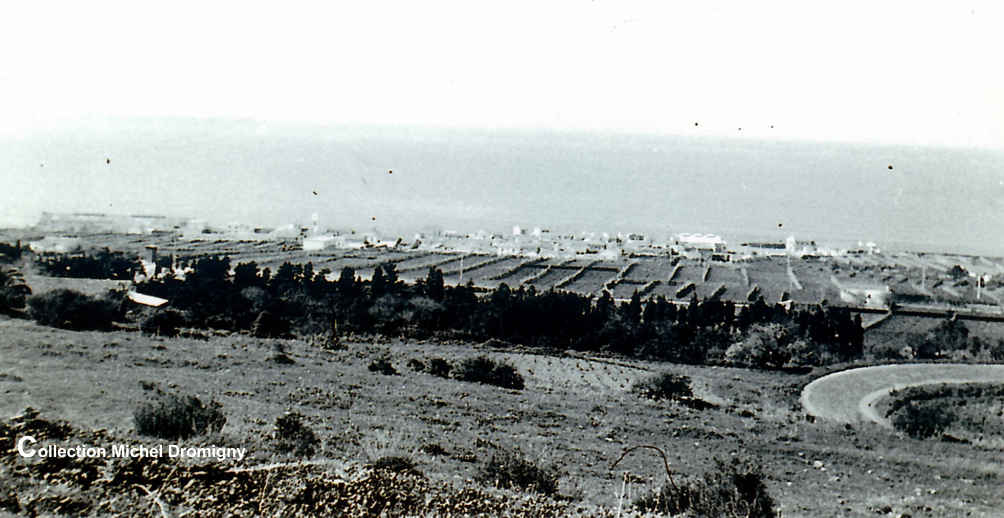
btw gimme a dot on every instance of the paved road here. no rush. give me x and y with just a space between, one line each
849 396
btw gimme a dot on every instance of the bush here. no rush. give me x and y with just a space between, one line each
485 370
922 420
510 470
291 436
440 367
69 309
416 365
767 346
178 417
397 464
269 325
13 290
664 386
383 366
433 449
734 488
163 322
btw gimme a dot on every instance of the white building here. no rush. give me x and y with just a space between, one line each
709 242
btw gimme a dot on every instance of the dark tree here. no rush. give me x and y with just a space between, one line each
434 284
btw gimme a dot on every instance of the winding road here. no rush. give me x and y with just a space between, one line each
850 396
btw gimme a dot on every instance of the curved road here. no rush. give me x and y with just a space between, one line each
849 396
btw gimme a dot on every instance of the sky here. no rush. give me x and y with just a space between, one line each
916 73
267 113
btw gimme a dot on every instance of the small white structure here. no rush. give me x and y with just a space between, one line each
710 242
52 244
315 243
875 296
146 300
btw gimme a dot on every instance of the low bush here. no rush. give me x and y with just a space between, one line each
13 290
174 416
433 449
383 366
664 386
509 469
416 365
440 367
291 436
267 325
923 419
483 369
396 463
163 322
733 488
70 309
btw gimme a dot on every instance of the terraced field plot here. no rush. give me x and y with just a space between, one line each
649 270
518 277
689 273
624 290
591 281
552 277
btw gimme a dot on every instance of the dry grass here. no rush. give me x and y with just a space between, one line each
573 413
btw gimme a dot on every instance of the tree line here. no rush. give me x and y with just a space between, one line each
296 299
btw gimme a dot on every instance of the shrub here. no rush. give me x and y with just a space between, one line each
767 346
69 309
921 420
510 470
13 290
269 325
485 370
383 366
440 367
397 464
279 354
178 417
291 436
416 365
664 386
163 322
734 488
434 449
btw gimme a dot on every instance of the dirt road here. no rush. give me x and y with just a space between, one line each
849 396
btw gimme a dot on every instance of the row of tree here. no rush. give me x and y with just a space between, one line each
298 299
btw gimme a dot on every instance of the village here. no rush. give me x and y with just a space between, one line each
677 268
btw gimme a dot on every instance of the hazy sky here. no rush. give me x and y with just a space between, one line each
912 72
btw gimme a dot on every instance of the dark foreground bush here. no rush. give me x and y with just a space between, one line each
485 370
178 417
13 290
440 367
269 325
292 436
397 464
733 488
664 386
69 309
383 366
921 420
510 470
163 322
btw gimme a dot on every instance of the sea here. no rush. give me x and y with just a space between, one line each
403 180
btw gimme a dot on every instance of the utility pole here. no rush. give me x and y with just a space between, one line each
460 282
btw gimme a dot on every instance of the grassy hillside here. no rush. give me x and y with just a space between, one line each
575 413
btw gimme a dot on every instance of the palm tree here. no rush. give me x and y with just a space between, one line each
13 289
